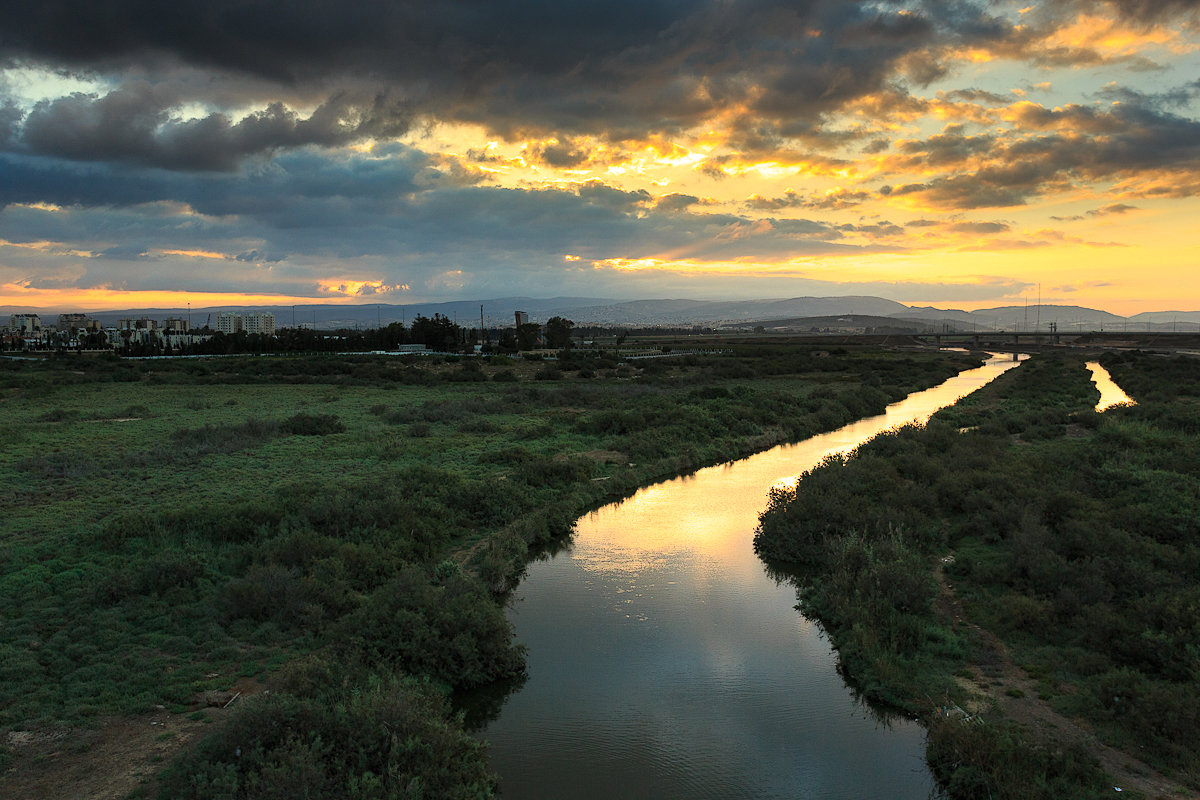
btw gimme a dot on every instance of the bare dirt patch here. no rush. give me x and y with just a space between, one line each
999 685
105 763
111 760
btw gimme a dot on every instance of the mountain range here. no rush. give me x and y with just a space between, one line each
676 312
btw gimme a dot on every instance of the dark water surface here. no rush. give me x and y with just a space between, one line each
664 662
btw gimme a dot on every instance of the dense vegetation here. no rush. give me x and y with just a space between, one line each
339 528
1069 534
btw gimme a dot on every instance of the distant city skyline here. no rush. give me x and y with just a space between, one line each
961 155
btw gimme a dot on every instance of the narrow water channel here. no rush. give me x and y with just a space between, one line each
1110 394
664 662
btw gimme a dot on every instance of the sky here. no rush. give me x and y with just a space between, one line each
957 154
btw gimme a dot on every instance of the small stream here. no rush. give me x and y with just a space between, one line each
1110 394
665 662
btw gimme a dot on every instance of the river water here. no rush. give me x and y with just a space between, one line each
664 661
1110 394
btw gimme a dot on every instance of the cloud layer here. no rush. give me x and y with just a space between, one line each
438 149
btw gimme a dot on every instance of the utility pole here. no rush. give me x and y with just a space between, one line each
1038 325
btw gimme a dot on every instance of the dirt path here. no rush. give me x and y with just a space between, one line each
105 763
110 761
999 683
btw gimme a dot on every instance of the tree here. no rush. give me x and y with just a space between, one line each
528 335
439 333
558 333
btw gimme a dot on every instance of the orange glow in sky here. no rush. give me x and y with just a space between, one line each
102 299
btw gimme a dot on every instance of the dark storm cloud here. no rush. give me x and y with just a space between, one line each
601 194
296 190
618 69
1111 208
978 96
1153 10
838 199
10 116
1034 40
561 154
1053 149
306 207
1103 211
978 227
293 43
134 124
677 202
1130 138
987 188
473 54
1174 97
874 230
948 148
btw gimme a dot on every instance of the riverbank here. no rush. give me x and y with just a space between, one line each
1021 562
330 529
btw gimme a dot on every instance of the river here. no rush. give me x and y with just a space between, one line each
1110 394
664 661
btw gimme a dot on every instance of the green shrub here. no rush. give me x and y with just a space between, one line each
451 630
312 425
224 438
386 739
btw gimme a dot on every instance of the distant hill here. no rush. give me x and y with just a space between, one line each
929 312
865 323
692 312
1162 321
675 312
1067 318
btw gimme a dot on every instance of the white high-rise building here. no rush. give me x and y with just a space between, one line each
70 322
229 322
259 322
255 322
24 323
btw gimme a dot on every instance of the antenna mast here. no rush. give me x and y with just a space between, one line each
1037 328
